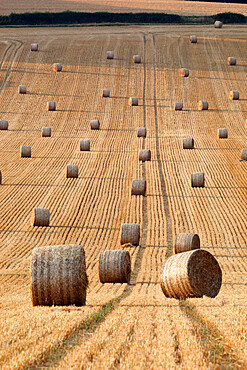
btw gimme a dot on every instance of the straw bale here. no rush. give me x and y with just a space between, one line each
231 61
46 132
138 187
244 154
57 67
144 155
4 125
218 24
34 47
141 132
233 95
184 72
106 93
58 276
197 180
84 145
136 58
51 106
0 177
95 124
191 274
133 101
22 89
110 55
185 242
40 217
188 143
203 105
25 151
130 233
72 171
222 133
178 106
193 39
114 266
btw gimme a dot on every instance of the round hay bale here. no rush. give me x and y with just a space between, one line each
193 39
57 67
218 24
40 217
4 125
144 155
58 276
136 58
25 151
51 106
114 266
130 233
0 177
106 93
72 171
244 154
188 143
22 89
141 132
138 187
46 132
222 133
197 180
231 61
178 106
84 145
184 72
185 242
34 47
203 105
133 101
191 274
233 95
95 124
110 55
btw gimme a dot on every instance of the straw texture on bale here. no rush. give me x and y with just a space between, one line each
95 124
57 67
244 154
138 187
51 105
46 131
106 93
188 143
141 132
22 89
72 171
133 101
222 133
178 106
231 61
84 145
197 180
145 155
234 95
193 39
4 125
185 242
40 217
34 47
137 59
110 55
58 276
218 24
130 233
191 274
25 151
0 177
184 72
203 105
114 266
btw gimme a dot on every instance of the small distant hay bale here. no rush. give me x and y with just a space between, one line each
25 151
40 217
197 180
202 105
184 72
34 47
191 274
72 171
136 58
95 124
138 187
178 106
114 266
51 106
46 132
188 143
0 177
58 276
218 24
130 233
57 67
110 55
141 132
4 125
185 242
133 101
84 145
193 39
144 155
106 93
231 61
244 154
233 95
22 89
222 133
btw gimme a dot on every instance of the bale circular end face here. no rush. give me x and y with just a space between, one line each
46 132
222 133
185 242
58 276
137 59
25 151
218 24
234 95
138 187
184 72
188 143
22 89
141 132
114 266
106 93
145 155
72 171
34 47
178 106
193 39
191 274
84 145
244 154
197 180
51 106
231 61
95 124
130 233
133 101
110 55
57 67
4 125
203 105
40 217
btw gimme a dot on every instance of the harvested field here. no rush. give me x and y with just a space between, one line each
141 326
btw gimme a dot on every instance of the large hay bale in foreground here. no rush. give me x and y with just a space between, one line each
4 125
84 145
197 180
144 155
191 274
233 95
222 133
106 93
218 24
244 154
58 276
133 102
231 61
141 132
193 39
22 89
184 72
185 242
51 106
25 151
34 47
114 266
40 217
46 132
202 105
57 67
188 143
136 58
110 55
130 233
72 171
178 106
138 187
95 124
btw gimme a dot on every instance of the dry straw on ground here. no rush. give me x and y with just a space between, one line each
185 242
110 55
133 101
25 151
40 217
137 59
51 106
72 171
4 125
130 233
46 132
144 155
178 106
95 124
114 266
244 154
188 143
231 61
222 133
58 276
202 105
191 274
57 67
22 89
34 47
197 180
193 39
218 24
233 95
84 145
184 72
106 93
138 187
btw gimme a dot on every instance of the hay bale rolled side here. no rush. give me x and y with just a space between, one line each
114 266
234 95
4 125
231 61
72 171
222 133
110 55
198 180
51 106
105 93
188 143
130 233
25 151
22 89
95 124
34 47
138 187
202 105
141 132
144 155
178 106
185 242
133 101
58 276
137 59
218 24
193 39
46 132
40 217
184 72
0 177
84 145
57 67
244 154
